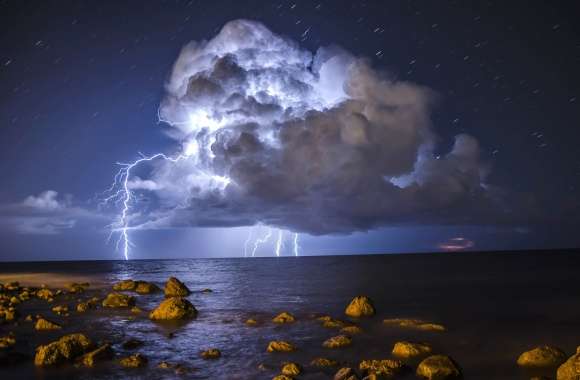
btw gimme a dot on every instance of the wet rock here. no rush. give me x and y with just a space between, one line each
103 353
136 310
82 307
132 344
251 322
360 306
351 330
280 346
63 350
143 287
323 362
284 317
7 341
125 285
8 314
332 323
134 361
542 356
345 373
118 300
44 324
410 350
15 300
291 369
164 365
212 353
383 367
76 288
175 288
44 294
338 341
24 296
282 377
181 370
60 310
416 324
570 370
438 367
174 308
12 286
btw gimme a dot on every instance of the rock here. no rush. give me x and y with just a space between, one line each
438 367
212 353
8 314
351 330
143 287
82 307
280 346
134 361
14 285
333 323
164 365
24 296
60 310
125 285
291 369
251 322
282 377
103 353
323 363
132 344
337 342
284 317
175 288
414 324
174 308
7 341
345 373
15 301
206 290
44 324
44 294
360 306
118 300
63 350
76 288
383 367
136 310
542 356
410 350
570 370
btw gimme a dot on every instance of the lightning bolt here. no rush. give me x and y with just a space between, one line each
124 195
296 246
279 243
258 242
247 243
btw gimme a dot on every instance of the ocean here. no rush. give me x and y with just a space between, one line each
493 305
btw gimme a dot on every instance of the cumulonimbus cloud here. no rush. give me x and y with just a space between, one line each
318 143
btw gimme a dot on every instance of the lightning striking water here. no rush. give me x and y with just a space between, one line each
263 240
279 243
247 242
296 246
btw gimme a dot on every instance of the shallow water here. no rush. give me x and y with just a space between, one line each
494 306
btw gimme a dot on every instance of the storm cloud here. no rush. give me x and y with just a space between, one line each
270 133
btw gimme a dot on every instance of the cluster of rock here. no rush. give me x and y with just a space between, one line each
552 358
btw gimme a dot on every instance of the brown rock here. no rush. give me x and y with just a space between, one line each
125 285
174 308
338 341
416 324
63 350
284 317
175 288
570 370
44 324
383 367
323 362
345 373
410 350
7 341
118 300
542 356
360 306
134 361
280 346
291 369
351 330
103 353
438 367
212 353
144 287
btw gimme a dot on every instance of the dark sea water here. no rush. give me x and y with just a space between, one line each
494 305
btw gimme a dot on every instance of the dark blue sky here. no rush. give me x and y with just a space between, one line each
81 83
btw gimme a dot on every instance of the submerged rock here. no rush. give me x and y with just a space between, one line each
332 323
103 353
76 288
351 330
82 307
570 370
284 317
291 369
542 356
280 346
383 367
174 308
212 353
134 361
45 294
124 285
8 314
360 306
323 362
60 310
410 350
143 287
337 342
7 341
118 300
345 373
414 324
45 324
251 322
438 367
175 288
63 350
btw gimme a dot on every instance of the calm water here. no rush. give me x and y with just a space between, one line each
494 305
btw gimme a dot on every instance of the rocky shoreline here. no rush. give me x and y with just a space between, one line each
408 358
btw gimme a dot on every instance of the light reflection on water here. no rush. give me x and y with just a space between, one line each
487 301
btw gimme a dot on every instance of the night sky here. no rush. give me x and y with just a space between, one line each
81 84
